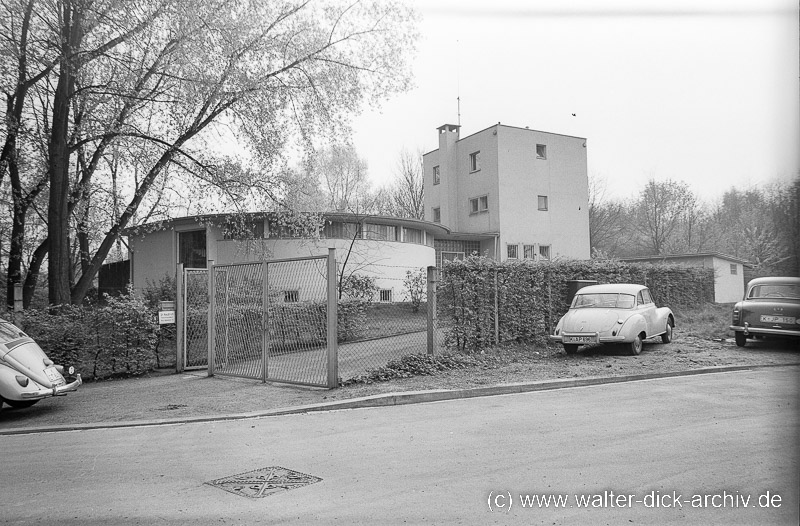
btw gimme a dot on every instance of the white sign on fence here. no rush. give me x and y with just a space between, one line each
166 316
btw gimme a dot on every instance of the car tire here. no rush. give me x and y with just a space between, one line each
667 336
571 348
635 347
20 404
741 339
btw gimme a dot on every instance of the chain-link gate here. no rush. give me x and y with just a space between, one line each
195 318
296 341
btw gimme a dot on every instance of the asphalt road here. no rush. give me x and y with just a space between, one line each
684 450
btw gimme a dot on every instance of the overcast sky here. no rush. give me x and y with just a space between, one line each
701 91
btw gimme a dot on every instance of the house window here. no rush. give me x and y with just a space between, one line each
291 296
437 215
544 251
474 161
734 270
413 235
247 230
380 232
385 295
541 151
529 251
512 251
478 204
543 202
339 230
192 248
436 176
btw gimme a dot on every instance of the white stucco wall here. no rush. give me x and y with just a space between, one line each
728 287
388 261
561 177
155 255
512 178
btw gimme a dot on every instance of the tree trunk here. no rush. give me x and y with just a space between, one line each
58 162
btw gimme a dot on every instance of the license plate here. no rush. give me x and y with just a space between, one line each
580 339
54 376
777 319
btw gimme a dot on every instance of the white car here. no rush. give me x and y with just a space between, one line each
27 375
621 313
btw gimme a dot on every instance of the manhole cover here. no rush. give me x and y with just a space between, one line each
263 482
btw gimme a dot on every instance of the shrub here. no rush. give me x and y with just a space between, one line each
416 285
115 339
359 287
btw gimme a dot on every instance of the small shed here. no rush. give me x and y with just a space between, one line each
728 271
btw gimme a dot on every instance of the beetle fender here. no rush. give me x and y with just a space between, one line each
9 387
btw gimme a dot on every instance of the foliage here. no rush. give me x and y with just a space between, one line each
414 365
359 287
162 290
416 286
531 297
118 338
115 110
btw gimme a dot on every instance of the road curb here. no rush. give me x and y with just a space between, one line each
403 398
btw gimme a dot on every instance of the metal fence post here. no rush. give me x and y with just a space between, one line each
265 322
211 317
180 320
433 280
333 319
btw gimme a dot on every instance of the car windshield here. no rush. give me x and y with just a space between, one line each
606 300
775 290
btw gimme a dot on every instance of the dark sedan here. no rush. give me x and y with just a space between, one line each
771 307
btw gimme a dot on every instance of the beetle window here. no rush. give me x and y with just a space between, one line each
8 332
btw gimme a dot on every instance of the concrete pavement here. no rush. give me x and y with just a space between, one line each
730 435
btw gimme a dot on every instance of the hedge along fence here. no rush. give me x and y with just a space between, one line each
101 341
483 302
293 326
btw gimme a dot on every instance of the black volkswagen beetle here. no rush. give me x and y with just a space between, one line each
771 307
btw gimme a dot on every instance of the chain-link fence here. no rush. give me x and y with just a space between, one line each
291 344
195 334
391 324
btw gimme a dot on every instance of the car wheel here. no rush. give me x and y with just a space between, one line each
636 345
20 404
571 348
667 336
741 339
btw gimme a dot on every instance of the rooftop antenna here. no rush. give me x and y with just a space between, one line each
458 82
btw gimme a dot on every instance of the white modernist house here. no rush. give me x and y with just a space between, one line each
728 271
381 247
509 193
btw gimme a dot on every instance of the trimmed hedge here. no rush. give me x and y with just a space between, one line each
118 338
531 297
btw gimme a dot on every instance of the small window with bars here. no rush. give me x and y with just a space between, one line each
385 295
512 251
291 296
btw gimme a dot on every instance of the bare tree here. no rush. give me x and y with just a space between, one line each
608 226
659 211
407 192
170 77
